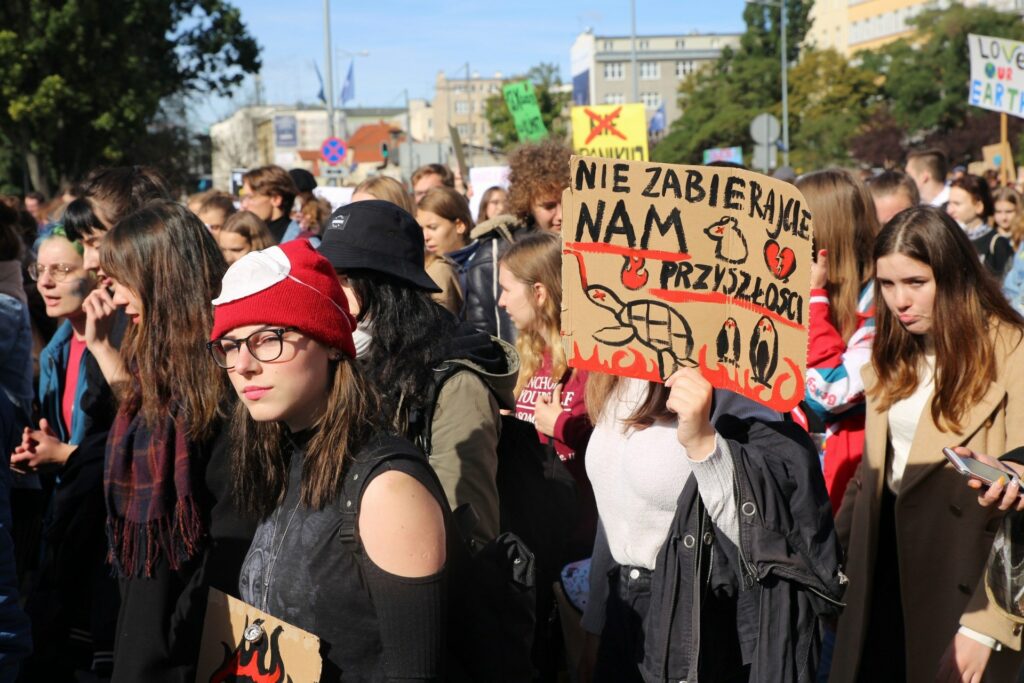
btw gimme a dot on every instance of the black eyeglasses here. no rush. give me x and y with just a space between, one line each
58 271
264 345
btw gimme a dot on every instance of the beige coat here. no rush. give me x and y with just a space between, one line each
943 534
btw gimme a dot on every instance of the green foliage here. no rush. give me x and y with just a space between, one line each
720 100
83 81
545 78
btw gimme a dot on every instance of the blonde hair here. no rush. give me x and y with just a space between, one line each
1011 196
387 189
537 259
845 224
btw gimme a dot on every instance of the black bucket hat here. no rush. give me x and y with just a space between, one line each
379 236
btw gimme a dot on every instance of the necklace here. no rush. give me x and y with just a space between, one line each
273 561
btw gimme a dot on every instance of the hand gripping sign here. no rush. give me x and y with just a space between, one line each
666 267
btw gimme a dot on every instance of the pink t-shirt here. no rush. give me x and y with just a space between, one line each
75 351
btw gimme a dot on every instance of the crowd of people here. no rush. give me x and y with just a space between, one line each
362 422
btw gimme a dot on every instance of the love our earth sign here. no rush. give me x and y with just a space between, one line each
997 74
666 267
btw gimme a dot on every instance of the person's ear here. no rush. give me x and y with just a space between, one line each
540 294
460 227
276 200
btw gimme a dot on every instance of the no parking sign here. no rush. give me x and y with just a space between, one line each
333 150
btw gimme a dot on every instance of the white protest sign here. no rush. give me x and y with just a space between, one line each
483 178
997 74
337 196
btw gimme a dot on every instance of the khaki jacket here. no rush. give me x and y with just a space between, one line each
943 535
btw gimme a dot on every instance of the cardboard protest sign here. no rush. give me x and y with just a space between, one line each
522 104
997 74
666 267
613 131
230 650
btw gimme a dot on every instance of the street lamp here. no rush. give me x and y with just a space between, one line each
781 4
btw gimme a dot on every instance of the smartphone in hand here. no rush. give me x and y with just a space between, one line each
975 469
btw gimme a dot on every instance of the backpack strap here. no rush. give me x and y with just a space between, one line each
442 373
365 466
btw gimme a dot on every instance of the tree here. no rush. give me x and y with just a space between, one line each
925 77
83 81
545 79
830 100
720 100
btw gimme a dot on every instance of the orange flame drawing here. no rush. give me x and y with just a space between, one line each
245 664
726 377
627 362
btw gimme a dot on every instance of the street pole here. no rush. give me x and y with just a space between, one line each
636 76
785 86
329 58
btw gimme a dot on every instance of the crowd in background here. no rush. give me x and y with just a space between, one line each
326 414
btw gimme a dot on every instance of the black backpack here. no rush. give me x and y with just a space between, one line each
491 592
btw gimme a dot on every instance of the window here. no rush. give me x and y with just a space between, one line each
680 44
685 68
614 71
459 90
464 130
462 107
714 42
609 45
651 100
643 45
614 98
650 71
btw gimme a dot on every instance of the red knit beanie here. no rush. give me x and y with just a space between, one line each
290 285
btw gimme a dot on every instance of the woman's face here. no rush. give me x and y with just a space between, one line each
64 298
908 288
233 246
1004 215
125 296
213 218
440 235
497 204
518 298
547 212
351 297
964 209
290 389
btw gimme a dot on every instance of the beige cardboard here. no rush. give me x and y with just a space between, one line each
669 266
285 654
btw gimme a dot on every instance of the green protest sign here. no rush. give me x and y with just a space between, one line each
522 104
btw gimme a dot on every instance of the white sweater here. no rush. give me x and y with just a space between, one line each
638 475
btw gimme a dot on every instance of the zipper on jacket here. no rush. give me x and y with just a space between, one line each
749 572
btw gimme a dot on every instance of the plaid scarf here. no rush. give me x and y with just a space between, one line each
151 506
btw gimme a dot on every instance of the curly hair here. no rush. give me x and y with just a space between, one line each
537 170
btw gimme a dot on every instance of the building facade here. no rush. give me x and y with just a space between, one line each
462 102
850 26
602 70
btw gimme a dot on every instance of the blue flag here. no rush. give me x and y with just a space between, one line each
348 91
320 78
657 123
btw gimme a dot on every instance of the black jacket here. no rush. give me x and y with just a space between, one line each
481 276
717 609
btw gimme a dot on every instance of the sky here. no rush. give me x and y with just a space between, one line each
409 42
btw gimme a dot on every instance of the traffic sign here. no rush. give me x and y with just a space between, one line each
333 150
765 129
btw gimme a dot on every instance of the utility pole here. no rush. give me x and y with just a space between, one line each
329 59
636 76
785 85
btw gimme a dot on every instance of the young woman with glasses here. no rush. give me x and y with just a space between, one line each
305 423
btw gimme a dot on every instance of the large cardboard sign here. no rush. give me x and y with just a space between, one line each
231 652
666 267
613 131
522 104
997 74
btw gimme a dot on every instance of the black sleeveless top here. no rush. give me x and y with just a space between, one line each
307 568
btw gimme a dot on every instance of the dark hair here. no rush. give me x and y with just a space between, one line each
167 257
449 205
978 188
116 192
38 196
259 470
411 336
481 215
80 219
10 234
447 177
889 183
968 305
933 160
273 180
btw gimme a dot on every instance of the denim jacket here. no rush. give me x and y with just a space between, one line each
53 363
